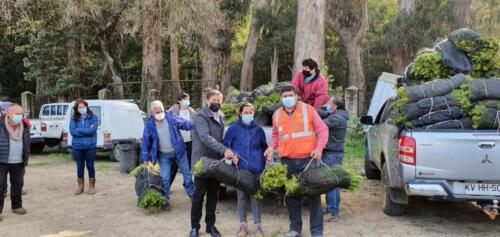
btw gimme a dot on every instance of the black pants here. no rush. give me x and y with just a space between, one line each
16 173
210 187
175 168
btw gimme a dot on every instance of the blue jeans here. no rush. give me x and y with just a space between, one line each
294 204
84 158
333 197
166 162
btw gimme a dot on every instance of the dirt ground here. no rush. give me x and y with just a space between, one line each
53 210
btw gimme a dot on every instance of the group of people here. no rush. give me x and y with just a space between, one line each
312 127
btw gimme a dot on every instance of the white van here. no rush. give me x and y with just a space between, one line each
119 122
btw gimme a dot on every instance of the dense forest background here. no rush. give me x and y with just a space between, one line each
65 49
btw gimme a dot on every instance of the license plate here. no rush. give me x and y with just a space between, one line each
482 189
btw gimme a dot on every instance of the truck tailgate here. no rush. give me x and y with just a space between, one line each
458 155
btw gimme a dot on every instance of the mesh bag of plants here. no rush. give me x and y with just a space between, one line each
317 180
453 58
463 123
203 168
466 40
273 178
452 113
487 59
149 189
485 117
485 89
424 106
434 88
243 180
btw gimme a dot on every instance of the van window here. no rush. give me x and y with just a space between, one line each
53 110
60 109
97 112
46 111
65 109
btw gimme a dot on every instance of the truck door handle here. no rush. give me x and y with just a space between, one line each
486 145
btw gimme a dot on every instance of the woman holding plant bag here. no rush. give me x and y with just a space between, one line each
248 142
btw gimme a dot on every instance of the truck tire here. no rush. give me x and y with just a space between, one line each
390 208
370 171
114 155
37 148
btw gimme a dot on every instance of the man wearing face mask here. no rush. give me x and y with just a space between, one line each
335 118
311 84
300 135
14 155
207 141
183 109
163 143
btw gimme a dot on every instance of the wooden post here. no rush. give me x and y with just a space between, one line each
28 104
352 101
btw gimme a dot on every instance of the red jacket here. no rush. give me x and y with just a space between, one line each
314 93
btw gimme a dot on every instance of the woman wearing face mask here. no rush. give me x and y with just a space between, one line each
248 143
83 128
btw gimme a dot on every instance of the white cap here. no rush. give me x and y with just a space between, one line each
157 104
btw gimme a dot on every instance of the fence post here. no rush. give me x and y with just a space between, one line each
352 101
103 94
153 94
28 104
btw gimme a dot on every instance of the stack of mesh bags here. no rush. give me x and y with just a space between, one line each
454 85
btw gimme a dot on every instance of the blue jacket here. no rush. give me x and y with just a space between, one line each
84 132
249 143
150 140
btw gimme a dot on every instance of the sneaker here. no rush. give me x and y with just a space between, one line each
166 207
19 211
333 218
292 233
259 232
243 231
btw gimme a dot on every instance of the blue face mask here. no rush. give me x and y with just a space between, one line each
186 103
327 107
288 102
82 111
17 118
247 118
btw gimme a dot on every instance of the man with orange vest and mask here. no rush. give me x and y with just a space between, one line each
300 135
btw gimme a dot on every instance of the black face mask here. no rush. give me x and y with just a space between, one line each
214 107
306 73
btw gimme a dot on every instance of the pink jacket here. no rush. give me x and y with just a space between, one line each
320 129
315 93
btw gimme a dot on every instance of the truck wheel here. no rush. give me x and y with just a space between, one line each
37 148
390 208
114 155
370 171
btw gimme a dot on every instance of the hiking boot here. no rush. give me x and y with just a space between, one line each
243 231
91 186
259 232
292 233
19 211
79 189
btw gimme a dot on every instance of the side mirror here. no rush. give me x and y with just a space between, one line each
367 120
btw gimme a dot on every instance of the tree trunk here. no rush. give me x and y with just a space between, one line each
310 32
274 66
115 72
209 66
356 72
462 13
174 65
152 57
246 80
226 72
75 43
400 58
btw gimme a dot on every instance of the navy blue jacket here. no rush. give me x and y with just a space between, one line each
150 140
249 143
84 132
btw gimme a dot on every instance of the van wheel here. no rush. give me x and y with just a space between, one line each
370 171
390 208
37 148
114 155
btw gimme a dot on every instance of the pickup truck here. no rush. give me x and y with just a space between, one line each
37 141
52 117
444 164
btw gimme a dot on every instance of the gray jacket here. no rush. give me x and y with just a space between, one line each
175 109
337 125
5 143
207 136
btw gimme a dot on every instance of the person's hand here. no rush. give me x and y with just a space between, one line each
316 154
269 153
235 160
228 153
269 159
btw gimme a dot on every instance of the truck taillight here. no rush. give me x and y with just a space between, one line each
65 137
107 138
43 127
407 150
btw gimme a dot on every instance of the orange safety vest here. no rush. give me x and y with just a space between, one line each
297 138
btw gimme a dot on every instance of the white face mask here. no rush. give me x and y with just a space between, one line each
160 116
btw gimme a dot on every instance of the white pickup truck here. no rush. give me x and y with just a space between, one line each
51 123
